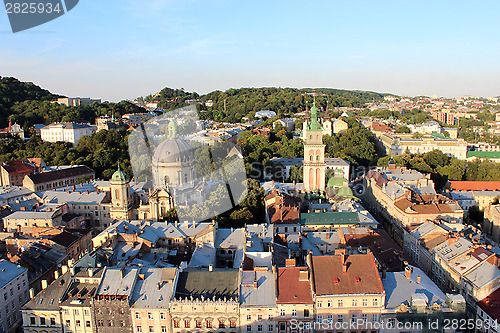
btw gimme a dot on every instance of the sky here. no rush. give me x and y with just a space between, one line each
122 49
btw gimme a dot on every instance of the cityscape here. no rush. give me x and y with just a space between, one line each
228 167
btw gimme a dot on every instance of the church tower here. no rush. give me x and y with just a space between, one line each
120 196
327 122
314 154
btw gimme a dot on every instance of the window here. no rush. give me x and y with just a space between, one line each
329 304
354 318
319 318
52 321
150 315
100 322
259 317
222 324
391 322
32 321
364 317
329 318
282 326
177 323
375 302
294 313
122 323
110 323
282 312
162 315
87 323
306 313
164 329
270 328
340 318
86 312
77 322
187 323
77 312
320 304
232 323
374 317
139 329
249 328
198 323
151 329
208 323
249 317
340 303
43 321
354 302
259 328
137 315
365 302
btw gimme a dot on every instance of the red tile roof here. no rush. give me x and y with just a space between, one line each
290 289
361 276
490 305
475 185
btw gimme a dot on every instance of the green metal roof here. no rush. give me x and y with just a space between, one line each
484 154
329 218
119 175
345 192
336 181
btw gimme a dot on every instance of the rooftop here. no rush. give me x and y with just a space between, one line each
215 284
358 275
294 288
9 271
257 288
44 177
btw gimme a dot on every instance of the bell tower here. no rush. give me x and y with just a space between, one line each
314 154
120 196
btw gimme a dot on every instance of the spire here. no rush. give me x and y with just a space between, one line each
327 113
315 125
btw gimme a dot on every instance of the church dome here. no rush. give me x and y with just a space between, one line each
345 192
119 175
172 150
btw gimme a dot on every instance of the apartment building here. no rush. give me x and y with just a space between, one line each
13 294
49 180
348 292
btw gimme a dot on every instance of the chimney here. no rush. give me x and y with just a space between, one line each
91 272
408 271
290 262
64 269
384 273
176 224
418 279
32 292
44 284
304 275
210 268
194 224
56 274
73 270
327 235
343 261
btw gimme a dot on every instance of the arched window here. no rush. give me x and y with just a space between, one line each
311 178
318 178
117 194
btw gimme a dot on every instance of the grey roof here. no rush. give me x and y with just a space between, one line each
30 215
203 256
48 299
483 274
447 252
223 283
154 288
118 281
424 229
70 125
257 235
74 197
486 193
265 293
8 192
9 271
399 289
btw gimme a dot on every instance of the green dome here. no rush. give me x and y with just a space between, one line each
336 182
345 192
119 175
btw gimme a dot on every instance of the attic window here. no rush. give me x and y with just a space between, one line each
336 280
357 279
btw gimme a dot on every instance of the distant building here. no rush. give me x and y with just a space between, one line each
14 290
77 101
66 132
13 129
398 144
265 113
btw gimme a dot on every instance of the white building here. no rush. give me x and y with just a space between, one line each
13 294
66 131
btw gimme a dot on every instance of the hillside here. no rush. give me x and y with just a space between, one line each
12 91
